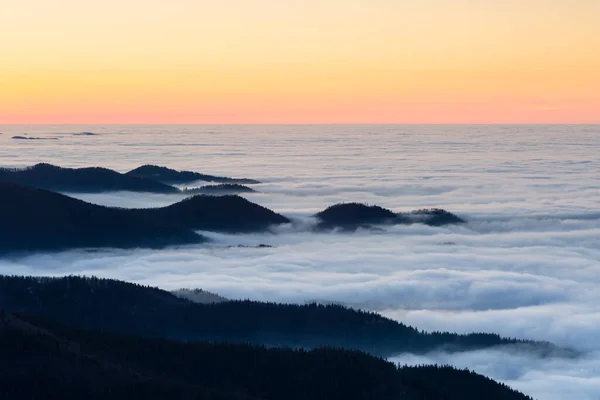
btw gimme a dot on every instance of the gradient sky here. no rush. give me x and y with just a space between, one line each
300 61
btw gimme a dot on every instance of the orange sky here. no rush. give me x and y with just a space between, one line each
292 61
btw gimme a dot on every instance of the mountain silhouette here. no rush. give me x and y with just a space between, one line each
171 176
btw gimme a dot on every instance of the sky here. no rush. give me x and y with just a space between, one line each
299 61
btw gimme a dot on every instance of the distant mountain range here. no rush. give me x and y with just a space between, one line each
81 180
37 219
147 178
121 307
171 176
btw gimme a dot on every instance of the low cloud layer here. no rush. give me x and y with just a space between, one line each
527 264
536 285
526 277
546 379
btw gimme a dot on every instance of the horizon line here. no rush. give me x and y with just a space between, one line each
307 123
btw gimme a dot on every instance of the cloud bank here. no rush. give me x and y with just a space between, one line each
527 263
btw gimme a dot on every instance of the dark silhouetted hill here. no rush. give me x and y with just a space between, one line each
36 219
351 216
84 180
43 359
220 189
215 213
19 137
122 307
249 246
85 134
171 176
432 217
199 296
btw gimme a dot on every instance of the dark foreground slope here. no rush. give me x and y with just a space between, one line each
171 176
228 213
42 363
116 306
35 219
82 180
42 359
351 216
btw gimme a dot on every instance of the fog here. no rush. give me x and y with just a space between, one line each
536 283
548 379
526 265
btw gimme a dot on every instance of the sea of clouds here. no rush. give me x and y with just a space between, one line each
526 265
